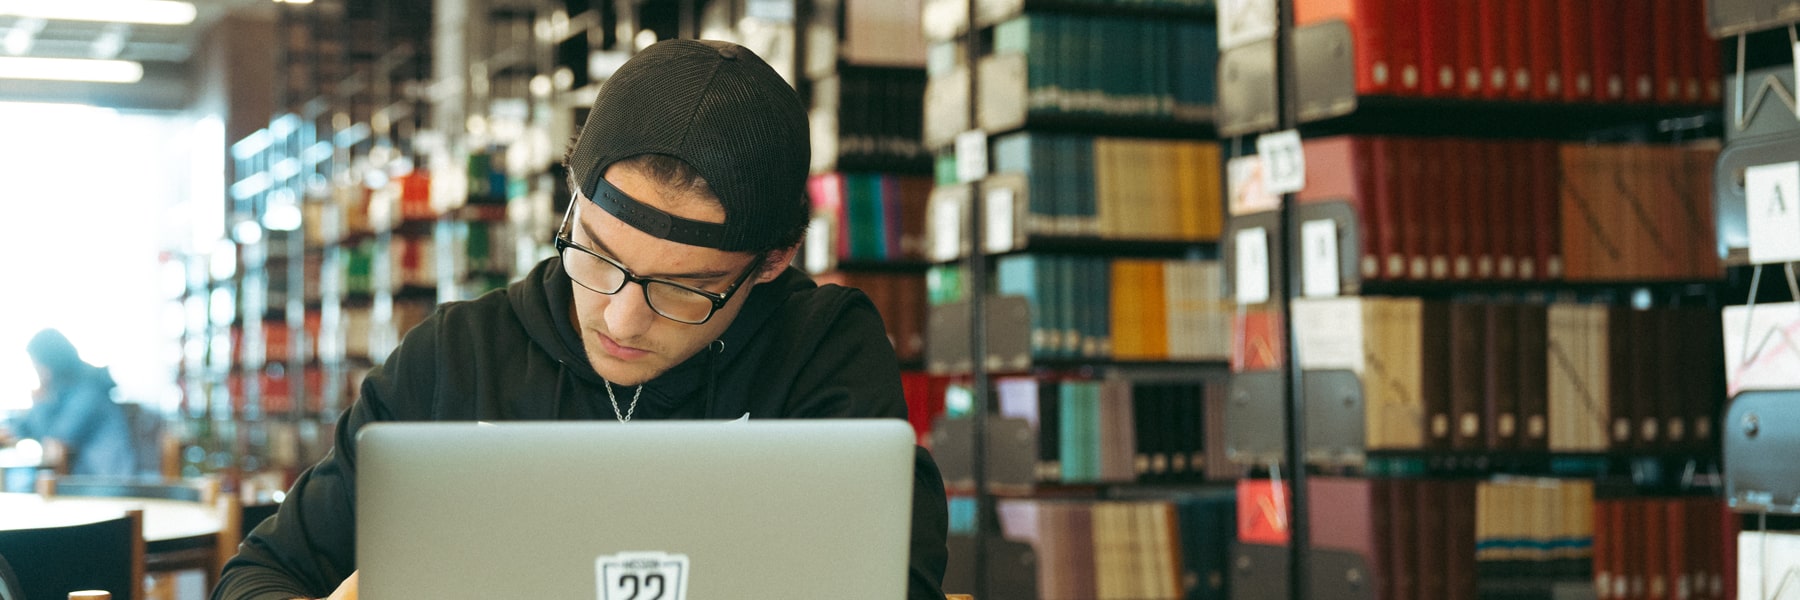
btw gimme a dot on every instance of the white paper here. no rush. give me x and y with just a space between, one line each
971 156
1330 334
1244 182
1284 163
1320 261
999 208
1252 247
945 215
1772 202
1245 21
1762 347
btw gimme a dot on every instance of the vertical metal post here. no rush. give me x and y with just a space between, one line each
1299 530
975 285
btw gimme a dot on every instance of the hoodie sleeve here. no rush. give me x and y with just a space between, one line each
309 546
854 373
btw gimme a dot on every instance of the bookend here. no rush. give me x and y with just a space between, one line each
1259 572
1012 568
1247 89
1008 331
1761 438
1767 133
1011 452
1334 417
1325 71
1339 575
1258 416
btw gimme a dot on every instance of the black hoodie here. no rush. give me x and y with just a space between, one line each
796 350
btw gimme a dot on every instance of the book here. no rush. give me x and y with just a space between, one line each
1544 52
1468 375
1574 25
1439 68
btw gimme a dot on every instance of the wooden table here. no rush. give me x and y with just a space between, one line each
166 522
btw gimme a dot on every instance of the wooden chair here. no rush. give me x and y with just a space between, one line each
9 583
163 559
52 562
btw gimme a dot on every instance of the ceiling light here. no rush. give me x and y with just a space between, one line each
71 69
22 35
147 12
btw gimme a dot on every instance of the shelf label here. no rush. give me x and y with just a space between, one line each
1244 183
1772 202
1284 163
971 155
944 214
1320 259
1245 21
999 208
1252 247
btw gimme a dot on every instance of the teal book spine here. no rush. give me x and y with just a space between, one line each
1019 275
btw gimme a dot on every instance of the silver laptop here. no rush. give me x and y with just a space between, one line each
642 511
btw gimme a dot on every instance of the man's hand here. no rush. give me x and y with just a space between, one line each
346 590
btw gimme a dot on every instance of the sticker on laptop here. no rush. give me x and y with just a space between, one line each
642 576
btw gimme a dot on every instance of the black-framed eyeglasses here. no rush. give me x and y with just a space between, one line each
674 301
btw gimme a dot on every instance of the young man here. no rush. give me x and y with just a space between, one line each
670 298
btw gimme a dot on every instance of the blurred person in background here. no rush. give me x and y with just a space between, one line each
72 413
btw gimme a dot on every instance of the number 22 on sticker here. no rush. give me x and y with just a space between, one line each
642 576
652 588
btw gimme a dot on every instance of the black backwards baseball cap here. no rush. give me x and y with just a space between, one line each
721 109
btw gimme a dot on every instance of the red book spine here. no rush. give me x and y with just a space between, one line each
1654 523
1437 202
1676 539
1604 31
1711 76
1470 31
1438 66
1545 52
1417 203
1484 173
1387 164
1673 49
1515 49
1377 73
1577 50
1548 196
1603 547
1400 21
1365 161
1492 31
1638 48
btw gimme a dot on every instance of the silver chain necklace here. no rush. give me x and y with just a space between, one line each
624 417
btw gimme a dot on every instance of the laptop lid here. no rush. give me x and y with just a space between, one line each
641 511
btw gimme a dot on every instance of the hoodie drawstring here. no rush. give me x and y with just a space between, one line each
562 374
716 348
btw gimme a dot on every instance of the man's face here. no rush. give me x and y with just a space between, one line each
626 341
